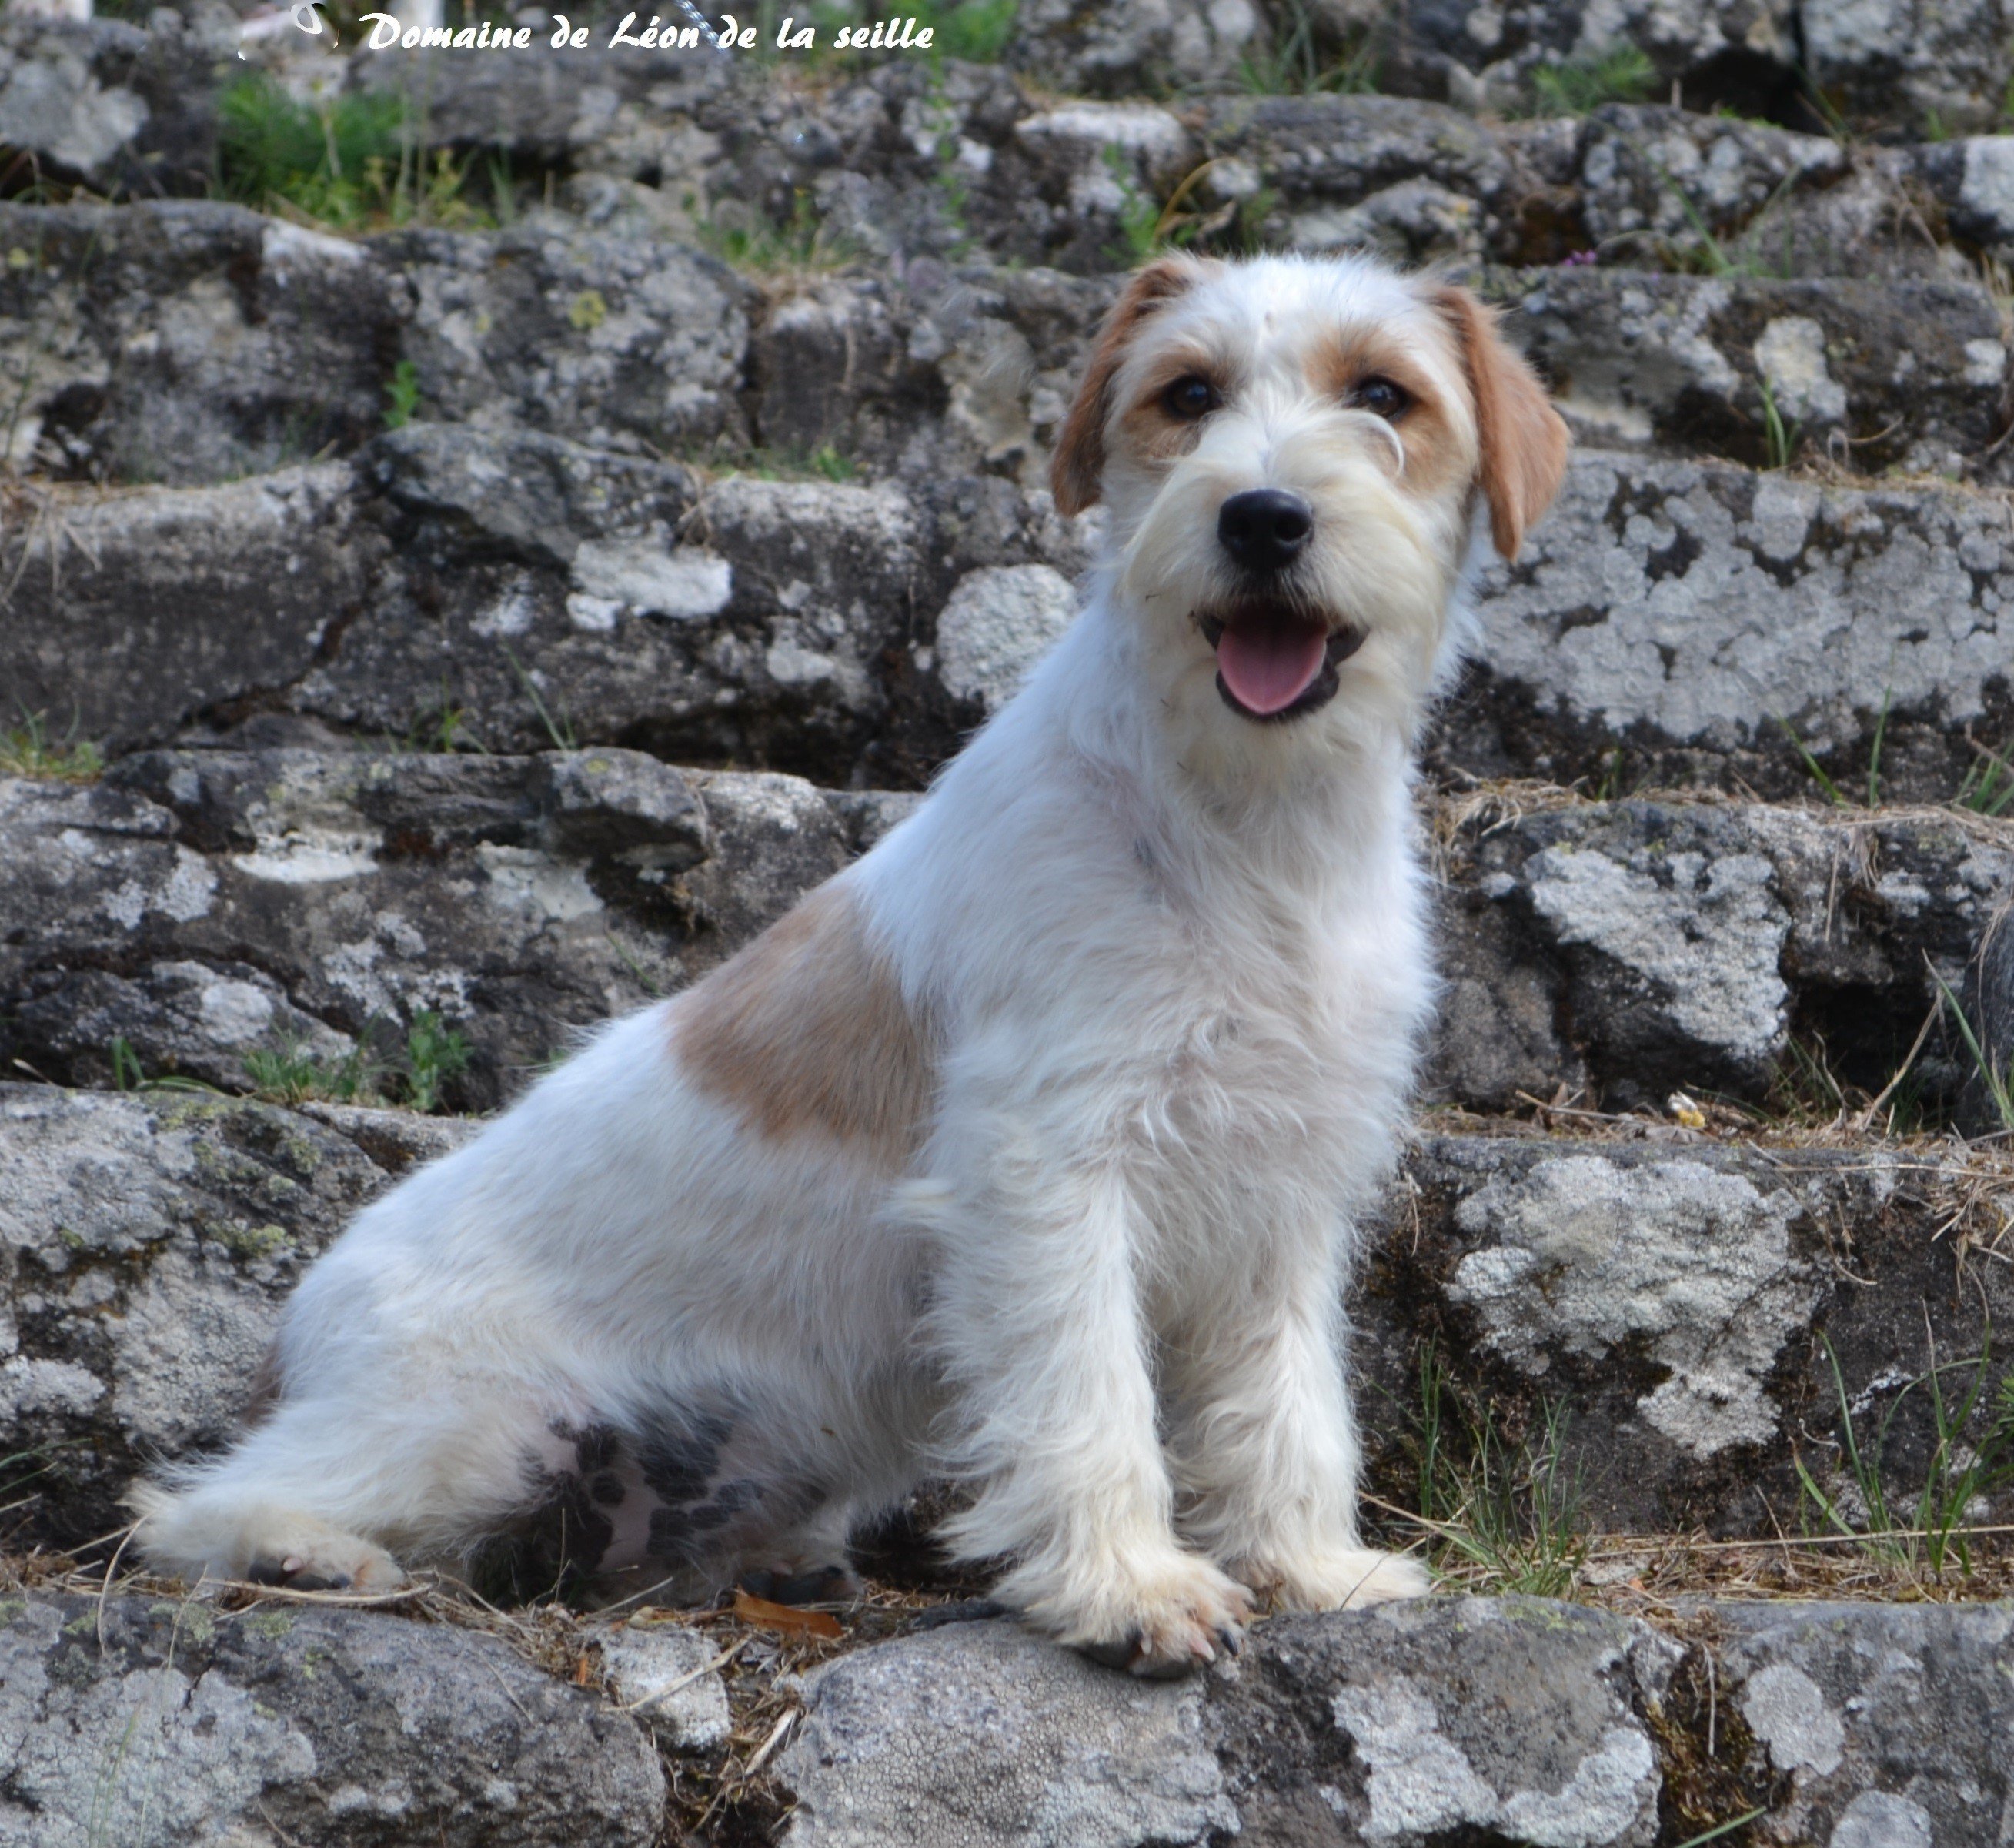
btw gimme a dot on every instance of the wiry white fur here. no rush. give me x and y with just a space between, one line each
1177 967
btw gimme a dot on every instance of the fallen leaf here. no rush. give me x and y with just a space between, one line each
786 1620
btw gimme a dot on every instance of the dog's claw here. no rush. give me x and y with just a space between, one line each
1113 1655
291 1572
1231 1637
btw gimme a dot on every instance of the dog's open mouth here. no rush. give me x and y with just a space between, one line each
1274 661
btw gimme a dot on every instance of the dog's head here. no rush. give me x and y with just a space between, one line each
1295 453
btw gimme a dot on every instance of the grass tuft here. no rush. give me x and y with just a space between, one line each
29 751
1577 86
1969 1459
1504 1519
354 163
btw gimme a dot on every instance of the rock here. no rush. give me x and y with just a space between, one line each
997 623
749 622
1517 1718
666 1676
612 341
1354 1720
1343 170
1936 66
1673 178
1909 374
152 1722
188 341
148 1242
1740 53
1686 946
130 112
130 614
209 908
982 1733
1136 46
1887 1723
1665 1297
1675 612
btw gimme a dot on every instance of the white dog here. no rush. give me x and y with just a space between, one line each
1027 1149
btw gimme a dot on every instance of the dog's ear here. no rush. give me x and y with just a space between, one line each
1079 460
1523 439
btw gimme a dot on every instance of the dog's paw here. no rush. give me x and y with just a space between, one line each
833 1582
1336 1578
316 1558
1160 1624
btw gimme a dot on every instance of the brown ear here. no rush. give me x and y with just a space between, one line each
1524 441
1079 460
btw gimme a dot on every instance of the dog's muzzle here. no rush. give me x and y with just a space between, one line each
1274 661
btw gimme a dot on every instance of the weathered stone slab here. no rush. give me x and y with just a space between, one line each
152 1723
187 342
1887 1724
1912 375
1676 612
1636 948
611 341
207 906
148 1244
1668 1295
127 615
128 110
1491 1719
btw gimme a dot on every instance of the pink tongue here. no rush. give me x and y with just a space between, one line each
1269 661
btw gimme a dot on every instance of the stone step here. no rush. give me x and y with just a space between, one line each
204 906
1476 1719
1874 375
1667 624
659 142
1667 1292
188 342
1637 948
153 1720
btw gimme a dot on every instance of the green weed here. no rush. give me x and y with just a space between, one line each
1577 86
29 751
351 163
1511 1520
748 241
1779 440
1294 65
1987 787
402 395
1933 1533
434 1055
289 1072
560 730
1995 1077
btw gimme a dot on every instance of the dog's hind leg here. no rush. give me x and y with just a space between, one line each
325 1495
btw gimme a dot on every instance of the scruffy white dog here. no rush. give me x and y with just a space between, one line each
1027 1148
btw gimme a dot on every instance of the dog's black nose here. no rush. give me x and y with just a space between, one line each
1265 529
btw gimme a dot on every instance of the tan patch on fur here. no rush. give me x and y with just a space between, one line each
1434 457
1524 441
806 1030
1079 460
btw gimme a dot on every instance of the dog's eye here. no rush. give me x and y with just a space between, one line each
1380 397
1190 397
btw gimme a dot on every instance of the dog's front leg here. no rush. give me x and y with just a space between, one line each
1265 1442
1038 1323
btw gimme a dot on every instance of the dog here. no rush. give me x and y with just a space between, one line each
1028 1149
